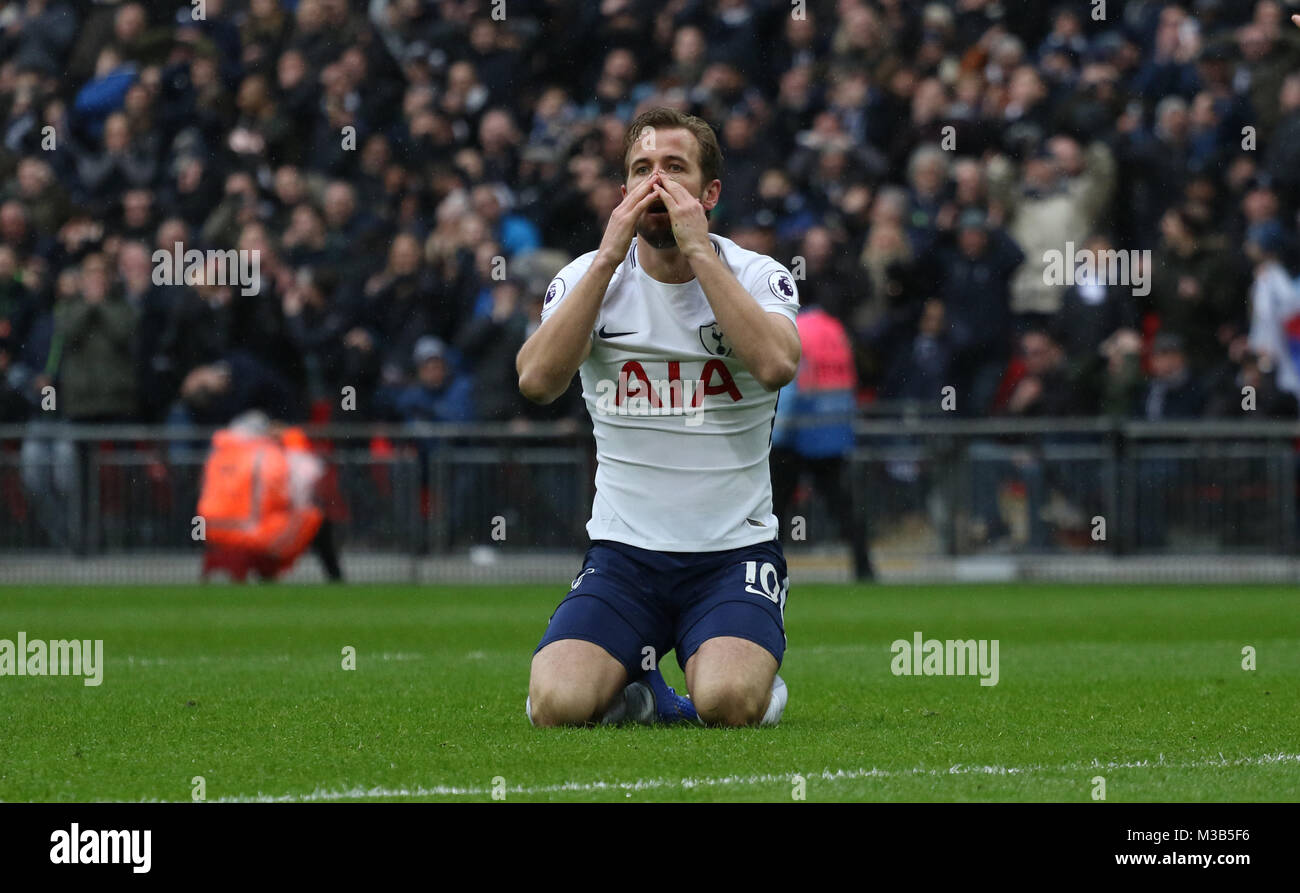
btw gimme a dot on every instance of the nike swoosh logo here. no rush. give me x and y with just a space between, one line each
602 333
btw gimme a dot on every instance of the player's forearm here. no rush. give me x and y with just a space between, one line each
548 360
767 345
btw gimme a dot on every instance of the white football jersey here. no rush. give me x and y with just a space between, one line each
682 429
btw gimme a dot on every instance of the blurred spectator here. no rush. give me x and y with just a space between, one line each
1283 158
438 393
1245 386
38 35
517 234
218 347
1268 55
1121 376
94 333
1172 392
239 206
401 304
1194 287
976 265
1156 165
488 343
830 278
1045 390
216 392
315 323
41 194
1061 196
1092 309
923 367
1275 307
150 308
1046 387
927 171
16 312
105 93
747 156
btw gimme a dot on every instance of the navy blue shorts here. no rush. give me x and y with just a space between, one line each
628 599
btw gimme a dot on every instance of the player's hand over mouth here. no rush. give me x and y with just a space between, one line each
623 219
690 226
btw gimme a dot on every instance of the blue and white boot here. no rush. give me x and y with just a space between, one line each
652 700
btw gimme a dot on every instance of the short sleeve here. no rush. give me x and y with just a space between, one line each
555 293
563 283
774 288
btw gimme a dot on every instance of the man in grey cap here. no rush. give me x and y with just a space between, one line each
429 347
438 394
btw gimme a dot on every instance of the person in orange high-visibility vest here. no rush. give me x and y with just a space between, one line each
256 499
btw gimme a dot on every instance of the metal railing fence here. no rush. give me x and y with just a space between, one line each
926 487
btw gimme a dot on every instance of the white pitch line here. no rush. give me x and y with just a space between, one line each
827 775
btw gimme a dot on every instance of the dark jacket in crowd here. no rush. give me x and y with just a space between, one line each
96 358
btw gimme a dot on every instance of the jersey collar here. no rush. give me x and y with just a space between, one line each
717 249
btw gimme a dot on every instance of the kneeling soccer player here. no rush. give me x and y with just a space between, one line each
683 339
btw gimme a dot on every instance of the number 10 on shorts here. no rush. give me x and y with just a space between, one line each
769 587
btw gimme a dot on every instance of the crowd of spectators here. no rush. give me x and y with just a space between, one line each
413 172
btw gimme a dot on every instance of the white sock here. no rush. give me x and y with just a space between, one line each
775 704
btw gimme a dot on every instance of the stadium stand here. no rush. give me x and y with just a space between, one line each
920 160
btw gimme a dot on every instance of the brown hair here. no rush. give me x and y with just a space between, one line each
664 118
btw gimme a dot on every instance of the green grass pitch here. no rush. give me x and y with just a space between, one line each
1141 685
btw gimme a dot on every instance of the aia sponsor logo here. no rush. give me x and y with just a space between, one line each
635 393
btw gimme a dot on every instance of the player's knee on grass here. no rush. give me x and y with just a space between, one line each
726 702
552 705
572 683
730 681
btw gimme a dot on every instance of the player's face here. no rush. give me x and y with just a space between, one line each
673 153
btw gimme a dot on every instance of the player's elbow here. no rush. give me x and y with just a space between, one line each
776 374
532 384
535 388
